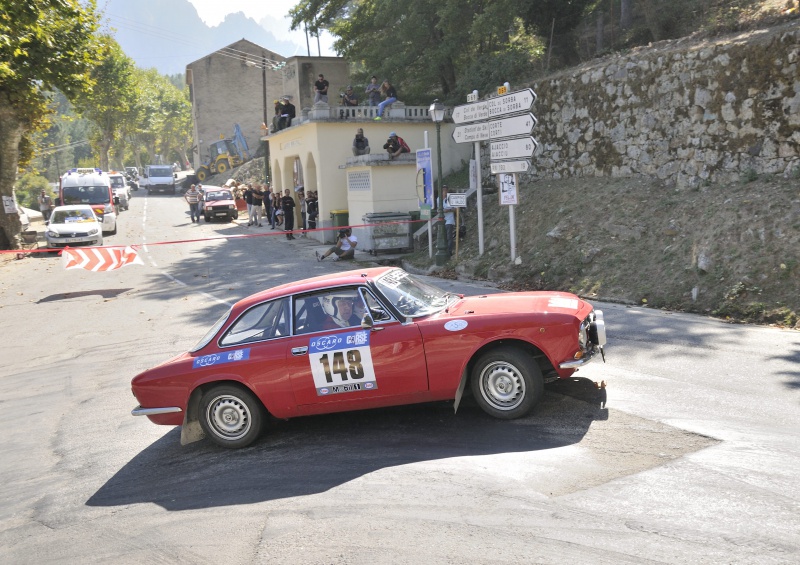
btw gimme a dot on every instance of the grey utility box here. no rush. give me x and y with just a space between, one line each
385 232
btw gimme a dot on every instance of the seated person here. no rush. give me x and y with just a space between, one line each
360 143
345 247
343 315
396 145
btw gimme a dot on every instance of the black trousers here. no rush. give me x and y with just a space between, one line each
288 220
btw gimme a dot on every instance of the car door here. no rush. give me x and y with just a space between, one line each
358 367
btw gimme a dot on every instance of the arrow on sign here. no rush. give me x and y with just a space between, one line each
471 133
471 112
510 167
510 127
522 147
519 101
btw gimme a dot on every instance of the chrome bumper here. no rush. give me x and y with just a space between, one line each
585 360
139 411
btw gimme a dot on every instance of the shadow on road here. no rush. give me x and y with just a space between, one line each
106 293
314 454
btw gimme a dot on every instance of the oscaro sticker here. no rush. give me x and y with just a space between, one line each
455 325
220 358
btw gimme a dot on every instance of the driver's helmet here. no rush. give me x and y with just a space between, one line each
329 301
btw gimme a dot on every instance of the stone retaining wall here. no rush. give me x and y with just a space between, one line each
684 112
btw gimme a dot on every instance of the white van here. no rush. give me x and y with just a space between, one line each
159 178
93 187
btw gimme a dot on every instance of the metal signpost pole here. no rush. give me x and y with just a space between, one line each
512 225
480 197
266 123
437 114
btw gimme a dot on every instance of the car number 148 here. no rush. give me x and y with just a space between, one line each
342 363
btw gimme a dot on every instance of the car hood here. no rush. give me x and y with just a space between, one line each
226 202
520 303
73 227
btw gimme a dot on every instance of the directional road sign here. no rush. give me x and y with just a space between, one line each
471 133
519 101
522 147
510 127
471 112
457 200
510 167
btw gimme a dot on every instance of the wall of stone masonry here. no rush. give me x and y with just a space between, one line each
685 112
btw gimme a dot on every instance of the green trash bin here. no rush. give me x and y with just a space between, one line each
340 218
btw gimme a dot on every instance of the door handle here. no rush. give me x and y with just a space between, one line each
297 351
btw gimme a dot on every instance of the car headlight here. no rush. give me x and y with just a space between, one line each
93 231
108 208
51 234
231 207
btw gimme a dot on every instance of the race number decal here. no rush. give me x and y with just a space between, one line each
342 363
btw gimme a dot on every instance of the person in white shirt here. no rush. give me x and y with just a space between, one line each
345 247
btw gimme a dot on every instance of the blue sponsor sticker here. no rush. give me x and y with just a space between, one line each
220 358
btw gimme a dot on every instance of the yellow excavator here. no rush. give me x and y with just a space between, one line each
224 155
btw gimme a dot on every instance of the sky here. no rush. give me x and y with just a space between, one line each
212 12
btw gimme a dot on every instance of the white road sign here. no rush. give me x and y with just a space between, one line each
457 200
471 133
510 127
510 167
523 148
519 101
471 112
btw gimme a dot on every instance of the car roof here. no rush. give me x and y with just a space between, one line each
74 207
356 276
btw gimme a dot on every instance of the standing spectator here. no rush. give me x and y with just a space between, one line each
449 222
390 95
267 202
45 205
345 247
288 113
360 143
349 97
276 208
248 199
602 396
192 197
288 205
321 90
258 199
373 91
396 145
312 209
301 196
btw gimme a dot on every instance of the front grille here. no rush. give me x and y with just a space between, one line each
76 234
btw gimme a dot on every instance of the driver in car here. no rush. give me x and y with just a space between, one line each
343 314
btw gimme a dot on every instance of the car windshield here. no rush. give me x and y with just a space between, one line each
118 182
72 216
413 297
160 171
85 195
221 195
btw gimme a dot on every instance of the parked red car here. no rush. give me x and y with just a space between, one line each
218 204
365 339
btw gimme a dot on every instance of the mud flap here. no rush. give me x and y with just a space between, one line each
191 430
460 390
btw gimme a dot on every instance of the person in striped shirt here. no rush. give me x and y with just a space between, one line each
192 196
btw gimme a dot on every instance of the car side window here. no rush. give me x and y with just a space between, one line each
378 312
267 320
309 315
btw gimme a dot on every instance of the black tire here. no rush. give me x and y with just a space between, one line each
506 383
206 217
231 416
114 231
223 166
202 174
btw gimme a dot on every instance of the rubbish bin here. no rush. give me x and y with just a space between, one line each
386 231
339 218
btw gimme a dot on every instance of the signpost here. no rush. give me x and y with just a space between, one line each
456 200
511 148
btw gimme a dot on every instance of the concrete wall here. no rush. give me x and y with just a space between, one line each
684 112
301 73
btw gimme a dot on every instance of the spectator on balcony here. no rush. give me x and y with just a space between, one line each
321 90
390 96
360 143
396 145
373 91
287 113
349 97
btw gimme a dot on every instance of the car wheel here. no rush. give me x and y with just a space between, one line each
231 416
506 383
206 217
114 231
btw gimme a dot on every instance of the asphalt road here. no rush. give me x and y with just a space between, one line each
696 460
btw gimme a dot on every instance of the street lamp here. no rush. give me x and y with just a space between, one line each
437 111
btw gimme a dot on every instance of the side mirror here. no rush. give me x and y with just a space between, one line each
174 175
367 322
116 200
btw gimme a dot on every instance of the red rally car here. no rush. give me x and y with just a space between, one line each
365 339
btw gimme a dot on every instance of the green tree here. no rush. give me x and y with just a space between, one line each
110 103
440 49
44 45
